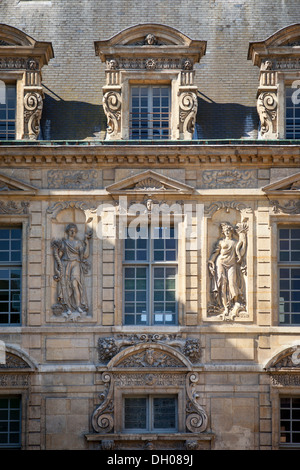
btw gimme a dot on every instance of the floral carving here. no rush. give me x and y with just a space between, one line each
112 107
292 207
33 106
12 207
150 64
109 347
267 110
227 268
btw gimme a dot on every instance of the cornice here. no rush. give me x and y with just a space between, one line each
86 153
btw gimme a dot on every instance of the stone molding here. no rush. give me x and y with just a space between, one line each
150 52
21 60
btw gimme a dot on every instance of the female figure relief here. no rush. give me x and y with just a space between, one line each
70 256
227 269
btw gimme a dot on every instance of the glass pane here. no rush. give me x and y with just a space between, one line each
164 410
136 413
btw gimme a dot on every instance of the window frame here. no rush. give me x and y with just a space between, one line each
285 264
20 421
150 100
150 414
150 265
10 265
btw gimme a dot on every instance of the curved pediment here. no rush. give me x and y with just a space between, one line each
285 42
288 358
149 38
14 358
149 356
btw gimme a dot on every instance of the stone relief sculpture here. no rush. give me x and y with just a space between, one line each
267 110
70 257
112 107
227 268
33 106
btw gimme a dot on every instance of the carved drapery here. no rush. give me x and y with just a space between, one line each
227 267
70 266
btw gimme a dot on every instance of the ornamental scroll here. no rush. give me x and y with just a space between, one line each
33 106
267 110
188 106
149 368
112 102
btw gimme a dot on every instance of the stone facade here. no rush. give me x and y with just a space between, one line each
72 360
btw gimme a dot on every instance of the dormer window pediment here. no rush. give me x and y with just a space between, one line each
150 91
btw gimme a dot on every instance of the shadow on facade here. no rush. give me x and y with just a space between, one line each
71 120
225 120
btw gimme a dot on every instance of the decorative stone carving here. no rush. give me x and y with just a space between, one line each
68 179
12 207
150 358
227 269
109 347
150 64
103 418
59 206
112 102
70 258
291 207
196 420
33 106
150 40
212 179
227 206
287 359
13 362
188 105
267 110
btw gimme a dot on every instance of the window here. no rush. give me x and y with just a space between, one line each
290 420
150 112
10 422
150 414
10 275
289 275
150 276
292 114
7 111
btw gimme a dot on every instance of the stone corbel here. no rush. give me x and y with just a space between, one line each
33 106
188 105
267 105
112 104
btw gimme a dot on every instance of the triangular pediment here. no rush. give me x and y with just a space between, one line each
149 182
289 185
13 186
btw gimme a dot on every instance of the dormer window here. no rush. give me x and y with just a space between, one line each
21 92
278 103
150 92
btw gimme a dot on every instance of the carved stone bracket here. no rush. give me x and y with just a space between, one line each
267 110
196 417
112 102
188 105
33 106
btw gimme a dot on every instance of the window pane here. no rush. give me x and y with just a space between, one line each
136 413
10 422
164 410
150 109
